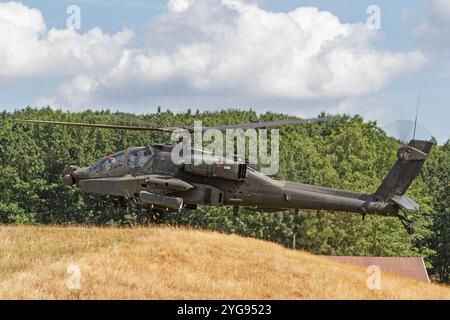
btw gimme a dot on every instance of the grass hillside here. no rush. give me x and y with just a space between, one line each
348 153
176 263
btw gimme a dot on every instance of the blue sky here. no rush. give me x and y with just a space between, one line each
174 56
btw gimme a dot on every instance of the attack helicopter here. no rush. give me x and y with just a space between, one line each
149 177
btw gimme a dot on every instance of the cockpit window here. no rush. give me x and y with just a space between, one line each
139 157
108 164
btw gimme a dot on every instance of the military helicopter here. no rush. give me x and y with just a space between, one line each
148 176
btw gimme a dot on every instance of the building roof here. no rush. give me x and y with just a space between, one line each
411 267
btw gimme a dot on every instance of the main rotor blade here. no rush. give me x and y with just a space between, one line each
102 126
275 123
255 125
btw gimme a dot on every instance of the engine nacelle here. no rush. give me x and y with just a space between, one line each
168 183
234 171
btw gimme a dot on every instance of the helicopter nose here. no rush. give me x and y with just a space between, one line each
69 178
74 174
81 173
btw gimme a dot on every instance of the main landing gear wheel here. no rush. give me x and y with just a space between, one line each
149 217
121 204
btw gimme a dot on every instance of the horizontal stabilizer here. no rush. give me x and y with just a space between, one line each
405 202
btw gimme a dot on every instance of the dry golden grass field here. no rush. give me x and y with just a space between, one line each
176 263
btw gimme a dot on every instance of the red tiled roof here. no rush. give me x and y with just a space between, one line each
413 267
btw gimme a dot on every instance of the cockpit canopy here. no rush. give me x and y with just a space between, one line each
123 162
138 157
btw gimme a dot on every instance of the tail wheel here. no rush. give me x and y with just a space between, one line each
407 223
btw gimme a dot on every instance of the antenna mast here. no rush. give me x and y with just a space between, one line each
417 114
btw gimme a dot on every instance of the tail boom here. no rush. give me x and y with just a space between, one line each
386 201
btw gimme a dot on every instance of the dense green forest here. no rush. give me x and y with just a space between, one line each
348 153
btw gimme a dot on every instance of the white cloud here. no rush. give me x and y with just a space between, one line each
433 34
178 6
200 51
27 48
436 26
370 107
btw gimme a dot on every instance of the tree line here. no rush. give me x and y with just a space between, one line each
347 153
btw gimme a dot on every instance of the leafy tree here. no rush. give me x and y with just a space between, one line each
437 175
348 153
